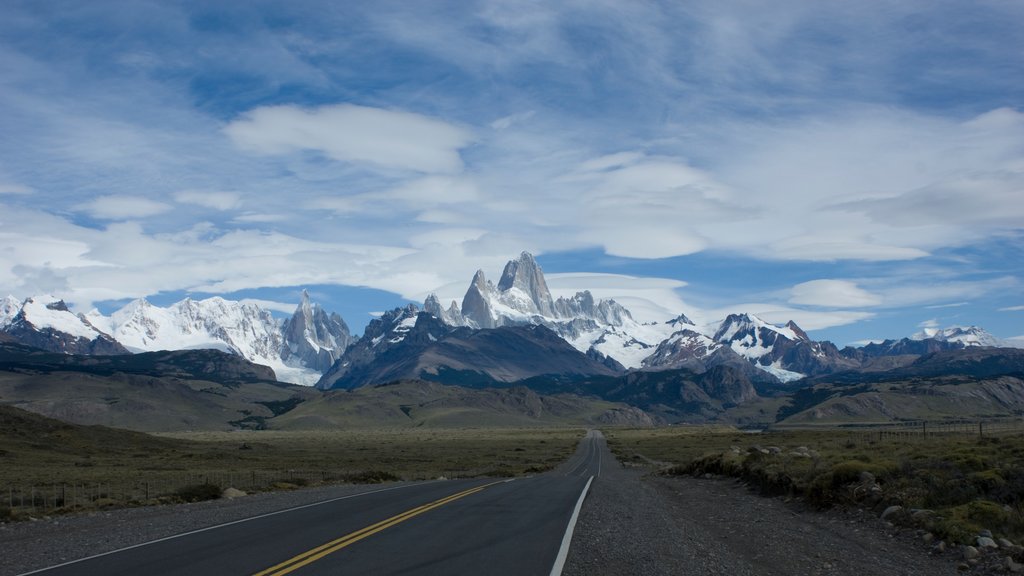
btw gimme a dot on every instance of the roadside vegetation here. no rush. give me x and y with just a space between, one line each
49 467
952 486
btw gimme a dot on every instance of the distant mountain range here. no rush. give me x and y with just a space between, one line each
500 333
298 349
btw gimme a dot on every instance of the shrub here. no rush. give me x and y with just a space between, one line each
371 477
198 492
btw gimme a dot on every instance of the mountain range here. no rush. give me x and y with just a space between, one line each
502 332
298 349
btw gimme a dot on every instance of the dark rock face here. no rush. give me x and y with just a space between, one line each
210 365
684 349
674 395
430 350
314 337
55 341
901 347
476 305
380 336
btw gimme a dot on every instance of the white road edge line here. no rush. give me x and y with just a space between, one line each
563 552
208 528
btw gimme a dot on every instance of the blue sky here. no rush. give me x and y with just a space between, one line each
857 167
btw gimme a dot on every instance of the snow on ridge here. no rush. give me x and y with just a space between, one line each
43 312
967 335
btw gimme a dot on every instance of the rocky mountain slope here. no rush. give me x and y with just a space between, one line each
404 344
190 390
154 391
977 382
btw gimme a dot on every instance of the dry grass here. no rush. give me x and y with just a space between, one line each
956 484
73 468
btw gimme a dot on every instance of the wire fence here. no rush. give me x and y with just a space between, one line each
920 429
71 495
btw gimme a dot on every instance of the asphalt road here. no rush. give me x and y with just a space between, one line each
498 527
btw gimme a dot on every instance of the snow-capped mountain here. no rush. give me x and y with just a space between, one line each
244 329
522 297
298 349
966 335
46 322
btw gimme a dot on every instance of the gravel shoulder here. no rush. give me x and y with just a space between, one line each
634 523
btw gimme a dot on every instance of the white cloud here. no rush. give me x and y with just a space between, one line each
256 218
1012 309
350 133
116 207
14 189
210 199
283 307
832 294
930 323
907 291
505 122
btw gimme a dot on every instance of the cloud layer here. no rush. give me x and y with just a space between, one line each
404 145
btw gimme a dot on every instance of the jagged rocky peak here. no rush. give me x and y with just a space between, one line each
452 316
313 336
681 322
526 276
798 331
737 326
476 304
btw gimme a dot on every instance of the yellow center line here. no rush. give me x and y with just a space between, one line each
333 546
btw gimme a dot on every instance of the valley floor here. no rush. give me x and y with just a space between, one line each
631 523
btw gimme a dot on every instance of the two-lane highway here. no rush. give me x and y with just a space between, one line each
478 526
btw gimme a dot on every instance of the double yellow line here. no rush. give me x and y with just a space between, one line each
333 546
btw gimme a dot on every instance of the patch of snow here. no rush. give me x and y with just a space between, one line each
781 373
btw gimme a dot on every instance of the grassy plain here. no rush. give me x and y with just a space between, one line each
951 485
59 465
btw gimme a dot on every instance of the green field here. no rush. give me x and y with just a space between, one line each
951 485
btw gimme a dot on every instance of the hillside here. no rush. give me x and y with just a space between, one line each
417 403
156 391
968 383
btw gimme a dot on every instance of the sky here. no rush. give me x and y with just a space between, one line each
857 167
